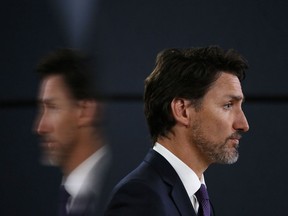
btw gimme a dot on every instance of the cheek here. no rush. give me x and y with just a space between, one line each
215 126
64 124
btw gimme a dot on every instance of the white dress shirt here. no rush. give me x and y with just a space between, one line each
77 181
188 177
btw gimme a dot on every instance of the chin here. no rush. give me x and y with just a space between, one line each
48 160
228 157
231 159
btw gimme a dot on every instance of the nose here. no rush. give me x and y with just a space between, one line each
241 123
41 126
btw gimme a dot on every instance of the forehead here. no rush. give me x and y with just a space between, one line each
227 85
53 86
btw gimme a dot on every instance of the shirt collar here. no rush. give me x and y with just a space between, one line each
188 177
80 175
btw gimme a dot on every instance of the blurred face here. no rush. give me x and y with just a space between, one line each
217 126
57 121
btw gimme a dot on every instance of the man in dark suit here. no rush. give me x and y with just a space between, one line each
193 106
69 125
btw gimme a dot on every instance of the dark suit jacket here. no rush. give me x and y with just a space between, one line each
153 189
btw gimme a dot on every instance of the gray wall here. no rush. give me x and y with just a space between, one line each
125 37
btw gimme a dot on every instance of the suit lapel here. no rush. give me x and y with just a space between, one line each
169 175
183 203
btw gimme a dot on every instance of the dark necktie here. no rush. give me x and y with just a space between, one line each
203 199
64 196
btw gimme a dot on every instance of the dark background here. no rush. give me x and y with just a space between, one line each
125 37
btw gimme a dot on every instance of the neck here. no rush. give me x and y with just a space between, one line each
186 152
84 148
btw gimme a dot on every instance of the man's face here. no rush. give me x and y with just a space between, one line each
218 123
57 121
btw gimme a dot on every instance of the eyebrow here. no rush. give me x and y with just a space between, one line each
47 100
236 98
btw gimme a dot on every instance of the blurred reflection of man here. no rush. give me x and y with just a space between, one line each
69 124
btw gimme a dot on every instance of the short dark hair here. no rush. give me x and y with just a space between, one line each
75 68
185 73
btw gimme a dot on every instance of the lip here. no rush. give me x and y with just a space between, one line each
237 136
47 145
236 141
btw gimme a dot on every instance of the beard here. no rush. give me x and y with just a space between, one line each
216 152
48 156
54 153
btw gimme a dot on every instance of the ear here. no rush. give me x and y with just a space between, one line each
87 112
180 110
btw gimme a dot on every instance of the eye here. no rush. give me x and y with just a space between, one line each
228 105
52 106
